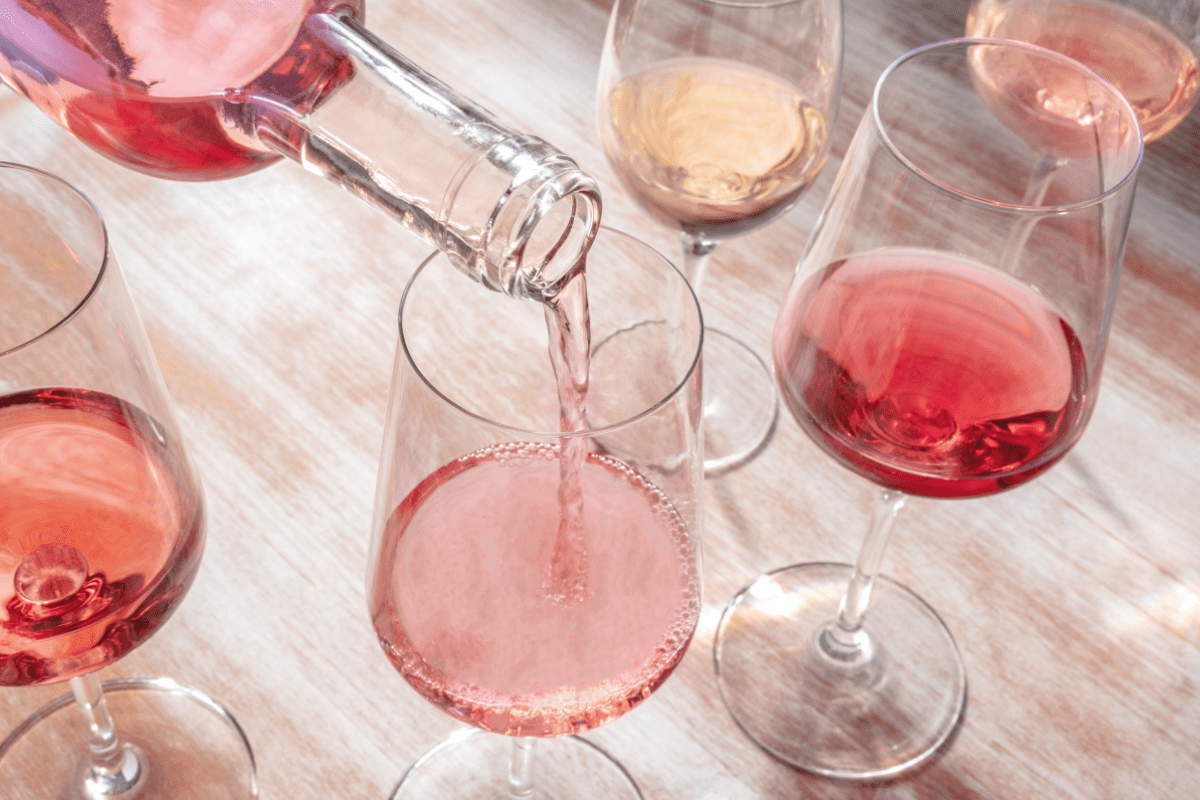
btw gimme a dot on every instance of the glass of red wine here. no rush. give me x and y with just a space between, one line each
717 116
534 564
924 352
102 521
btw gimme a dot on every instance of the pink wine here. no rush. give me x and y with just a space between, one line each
143 81
463 611
715 146
931 374
101 531
568 324
1147 61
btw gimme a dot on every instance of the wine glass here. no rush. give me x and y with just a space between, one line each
1148 49
914 361
717 116
101 521
534 564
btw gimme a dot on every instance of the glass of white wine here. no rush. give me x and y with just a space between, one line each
717 116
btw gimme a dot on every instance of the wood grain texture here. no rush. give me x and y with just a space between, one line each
271 300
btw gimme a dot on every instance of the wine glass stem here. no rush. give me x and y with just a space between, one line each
520 769
107 755
695 260
1035 194
853 609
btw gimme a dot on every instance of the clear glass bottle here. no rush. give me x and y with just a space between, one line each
212 89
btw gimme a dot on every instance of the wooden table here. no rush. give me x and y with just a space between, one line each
271 301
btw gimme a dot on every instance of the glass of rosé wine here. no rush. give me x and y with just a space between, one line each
1146 48
924 352
717 115
101 521
534 562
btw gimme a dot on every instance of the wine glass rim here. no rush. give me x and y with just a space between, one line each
101 271
654 408
1046 210
751 3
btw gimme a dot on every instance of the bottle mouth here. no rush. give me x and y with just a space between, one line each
551 245
540 214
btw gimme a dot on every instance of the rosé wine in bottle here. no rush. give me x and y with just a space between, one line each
931 374
463 611
101 532
208 89
142 81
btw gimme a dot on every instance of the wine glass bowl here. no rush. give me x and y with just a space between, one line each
1052 107
1148 49
716 116
712 146
102 521
943 336
529 575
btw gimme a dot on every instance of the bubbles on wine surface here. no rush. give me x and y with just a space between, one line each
463 610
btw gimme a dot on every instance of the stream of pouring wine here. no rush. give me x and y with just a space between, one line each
569 327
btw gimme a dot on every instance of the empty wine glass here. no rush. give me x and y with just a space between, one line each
716 116
101 521
1148 49
909 356
534 570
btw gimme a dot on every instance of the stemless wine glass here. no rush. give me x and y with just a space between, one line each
1146 48
917 363
533 575
101 521
716 116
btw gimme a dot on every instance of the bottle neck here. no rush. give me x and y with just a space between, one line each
507 208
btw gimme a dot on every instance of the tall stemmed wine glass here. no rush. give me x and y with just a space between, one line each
915 361
101 521
717 115
534 565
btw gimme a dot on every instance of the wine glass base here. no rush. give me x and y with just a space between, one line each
876 718
473 765
740 402
194 748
